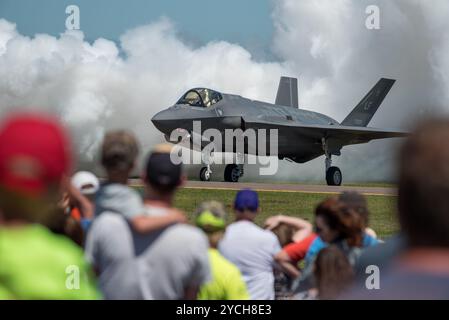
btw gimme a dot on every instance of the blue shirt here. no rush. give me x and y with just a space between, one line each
318 244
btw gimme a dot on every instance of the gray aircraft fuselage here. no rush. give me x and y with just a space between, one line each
227 114
302 135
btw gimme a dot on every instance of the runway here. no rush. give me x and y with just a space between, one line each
274 187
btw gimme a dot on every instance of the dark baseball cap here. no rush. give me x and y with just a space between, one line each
246 199
161 171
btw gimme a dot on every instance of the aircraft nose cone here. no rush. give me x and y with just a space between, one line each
158 117
162 120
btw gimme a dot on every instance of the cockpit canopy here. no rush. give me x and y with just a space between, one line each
200 97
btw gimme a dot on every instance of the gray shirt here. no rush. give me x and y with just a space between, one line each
118 198
157 265
173 259
252 250
109 248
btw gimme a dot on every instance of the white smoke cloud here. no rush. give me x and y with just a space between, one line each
103 85
339 59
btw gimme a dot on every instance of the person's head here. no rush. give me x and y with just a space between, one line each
357 202
87 183
334 221
161 176
211 217
333 273
284 233
35 156
246 204
424 185
118 153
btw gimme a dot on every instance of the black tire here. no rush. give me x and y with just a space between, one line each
231 173
334 176
204 176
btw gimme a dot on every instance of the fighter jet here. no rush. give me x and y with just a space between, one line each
302 135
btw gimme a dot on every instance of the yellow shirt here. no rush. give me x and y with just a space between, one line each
227 282
37 264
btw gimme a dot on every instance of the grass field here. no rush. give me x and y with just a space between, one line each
298 204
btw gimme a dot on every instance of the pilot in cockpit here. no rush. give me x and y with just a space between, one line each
200 98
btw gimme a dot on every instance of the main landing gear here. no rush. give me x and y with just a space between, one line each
232 172
333 174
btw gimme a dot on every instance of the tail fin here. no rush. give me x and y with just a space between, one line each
361 115
287 94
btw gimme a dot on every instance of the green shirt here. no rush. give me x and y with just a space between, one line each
227 282
38 264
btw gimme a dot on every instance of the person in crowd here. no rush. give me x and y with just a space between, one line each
250 247
118 157
175 264
78 211
301 231
420 269
35 156
283 232
300 228
109 247
169 262
88 184
227 282
333 273
358 202
282 280
380 256
336 224
64 223
311 243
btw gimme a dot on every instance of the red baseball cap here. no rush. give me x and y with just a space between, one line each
35 152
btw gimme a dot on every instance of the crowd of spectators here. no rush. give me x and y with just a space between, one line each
75 236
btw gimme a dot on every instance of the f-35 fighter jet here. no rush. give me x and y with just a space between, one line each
302 135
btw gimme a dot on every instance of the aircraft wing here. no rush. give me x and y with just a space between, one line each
337 135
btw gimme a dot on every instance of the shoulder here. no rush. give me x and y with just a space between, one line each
224 268
107 220
189 234
222 264
52 248
317 244
51 257
117 190
109 217
252 229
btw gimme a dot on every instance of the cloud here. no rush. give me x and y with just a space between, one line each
94 87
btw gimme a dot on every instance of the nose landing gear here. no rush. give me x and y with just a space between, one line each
206 172
232 173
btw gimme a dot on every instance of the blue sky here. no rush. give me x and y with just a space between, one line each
246 22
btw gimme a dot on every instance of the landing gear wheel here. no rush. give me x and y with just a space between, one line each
232 173
333 176
205 174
